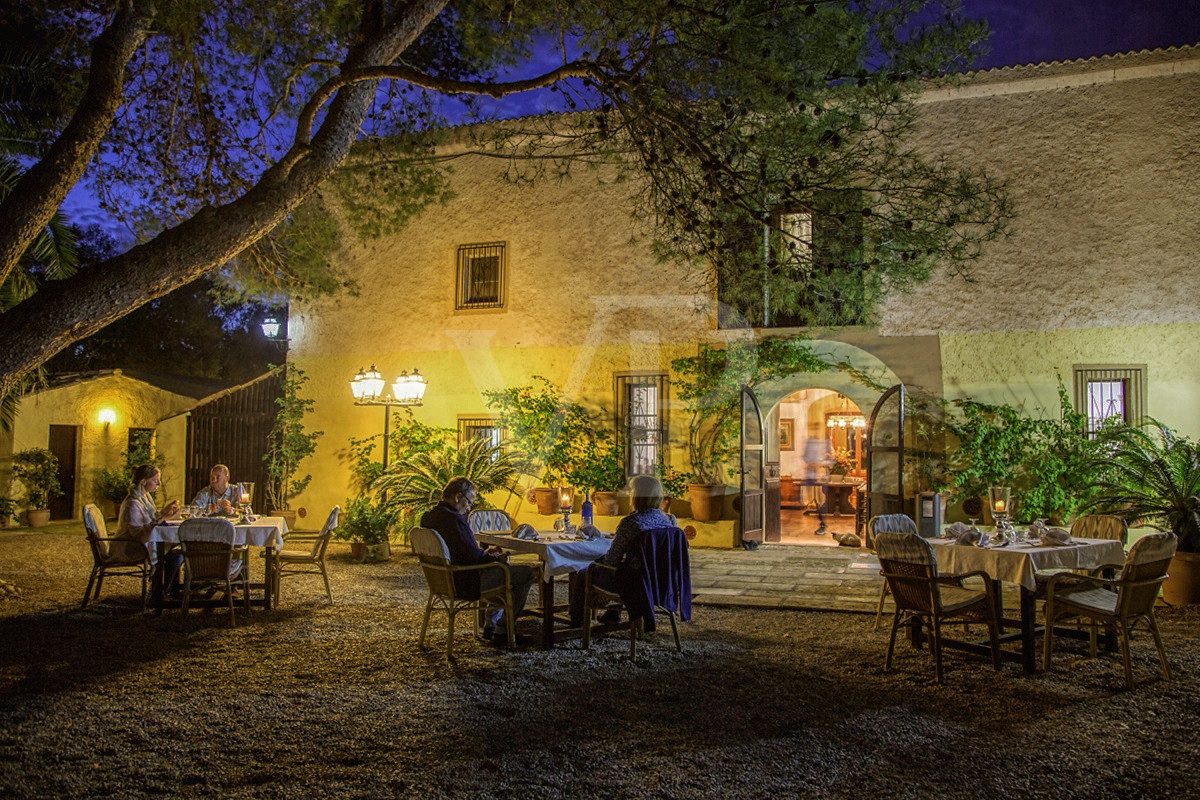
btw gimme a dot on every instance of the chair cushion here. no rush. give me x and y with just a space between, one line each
956 598
1091 599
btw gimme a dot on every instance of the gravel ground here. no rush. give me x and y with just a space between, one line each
320 701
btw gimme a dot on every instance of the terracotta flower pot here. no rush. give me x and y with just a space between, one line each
546 499
288 515
358 550
708 500
1183 587
606 504
38 517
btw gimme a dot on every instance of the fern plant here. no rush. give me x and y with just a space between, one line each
1150 473
412 486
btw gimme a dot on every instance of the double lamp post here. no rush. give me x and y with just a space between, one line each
407 392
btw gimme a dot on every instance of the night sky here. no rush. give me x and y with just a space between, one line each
1023 32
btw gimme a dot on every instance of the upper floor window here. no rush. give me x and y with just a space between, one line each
481 276
1103 392
641 415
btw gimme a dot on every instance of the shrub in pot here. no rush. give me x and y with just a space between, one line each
1151 473
37 470
548 435
368 528
288 443
601 470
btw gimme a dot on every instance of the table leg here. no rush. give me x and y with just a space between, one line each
269 578
1028 608
547 610
157 587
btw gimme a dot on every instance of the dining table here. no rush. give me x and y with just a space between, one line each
1017 563
265 532
558 554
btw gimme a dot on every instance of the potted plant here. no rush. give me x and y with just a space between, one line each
288 444
674 484
1152 473
367 526
37 469
600 470
413 484
546 435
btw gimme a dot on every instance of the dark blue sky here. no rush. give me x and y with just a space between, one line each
1031 31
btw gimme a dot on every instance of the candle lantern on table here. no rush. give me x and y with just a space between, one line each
1000 503
247 496
566 496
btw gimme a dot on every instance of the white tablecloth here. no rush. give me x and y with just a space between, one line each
1017 563
263 532
558 553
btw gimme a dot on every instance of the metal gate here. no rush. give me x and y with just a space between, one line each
231 428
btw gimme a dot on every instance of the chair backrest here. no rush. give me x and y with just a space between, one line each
892 523
909 567
322 540
206 529
489 519
661 575
1145 568
1100 526
434 556
97 531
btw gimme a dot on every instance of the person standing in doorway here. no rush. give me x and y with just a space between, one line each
817 458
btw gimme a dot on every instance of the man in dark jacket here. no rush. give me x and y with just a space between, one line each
449 519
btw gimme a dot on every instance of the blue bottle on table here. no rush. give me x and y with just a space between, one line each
585 510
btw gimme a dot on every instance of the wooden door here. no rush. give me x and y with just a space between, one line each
885 454
63 444
753 467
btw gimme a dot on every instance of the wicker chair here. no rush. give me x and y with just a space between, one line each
209 560
305 562
488 520
112 556
451 596
921 594
887 523
654 576
1119 602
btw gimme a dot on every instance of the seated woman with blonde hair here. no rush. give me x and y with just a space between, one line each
139 515
647 516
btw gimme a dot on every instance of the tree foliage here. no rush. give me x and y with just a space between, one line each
211 126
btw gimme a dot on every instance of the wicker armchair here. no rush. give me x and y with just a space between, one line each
112 556
434 556
922 595
887 523
212 561
305 562
1119 602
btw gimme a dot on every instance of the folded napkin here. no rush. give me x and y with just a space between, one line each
1053 536
954 530
971 536
525 531
590 532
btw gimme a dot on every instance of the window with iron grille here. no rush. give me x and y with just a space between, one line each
486 428
481 279
641 402
1104 391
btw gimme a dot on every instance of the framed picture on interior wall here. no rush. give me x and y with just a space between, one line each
787 434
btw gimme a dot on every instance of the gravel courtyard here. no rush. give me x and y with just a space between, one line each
339 701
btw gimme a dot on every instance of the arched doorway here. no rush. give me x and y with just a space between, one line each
822 462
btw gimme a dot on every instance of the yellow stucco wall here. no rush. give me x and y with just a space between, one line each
134 403
1019 367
